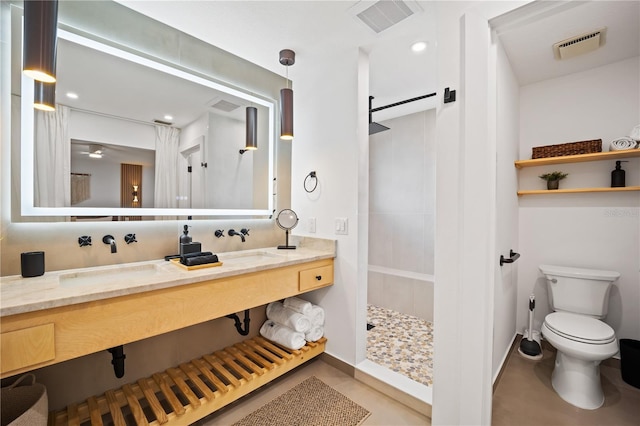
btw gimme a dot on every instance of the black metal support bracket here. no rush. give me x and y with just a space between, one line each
238 324
118 360
449 95
513 256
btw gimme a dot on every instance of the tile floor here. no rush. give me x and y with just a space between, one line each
384 410
401 343
524 396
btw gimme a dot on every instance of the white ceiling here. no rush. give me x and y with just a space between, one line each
537 27
258 30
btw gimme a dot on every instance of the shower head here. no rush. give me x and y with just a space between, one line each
376 128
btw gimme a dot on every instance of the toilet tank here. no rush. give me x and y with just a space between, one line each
577 290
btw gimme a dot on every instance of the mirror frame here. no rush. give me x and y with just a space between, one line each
27 145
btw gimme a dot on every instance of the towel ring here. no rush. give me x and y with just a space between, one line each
311 175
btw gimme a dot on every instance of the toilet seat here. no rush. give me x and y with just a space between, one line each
579 328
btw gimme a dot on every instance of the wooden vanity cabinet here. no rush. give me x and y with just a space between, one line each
39 338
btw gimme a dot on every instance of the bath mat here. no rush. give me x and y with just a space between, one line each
311 403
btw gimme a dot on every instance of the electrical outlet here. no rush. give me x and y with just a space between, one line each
312 225
342 226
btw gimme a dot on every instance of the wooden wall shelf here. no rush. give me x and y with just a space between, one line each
578 190
581 158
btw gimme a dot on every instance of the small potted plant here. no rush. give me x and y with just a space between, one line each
553 179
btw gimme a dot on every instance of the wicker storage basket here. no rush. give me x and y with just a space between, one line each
572 148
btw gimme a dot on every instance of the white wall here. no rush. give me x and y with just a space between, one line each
596 230
229 175
327 130
402 215
505 286
100 129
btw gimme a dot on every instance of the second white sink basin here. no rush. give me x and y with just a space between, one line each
131 273
249 257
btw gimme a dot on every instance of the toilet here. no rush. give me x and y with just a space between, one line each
579 299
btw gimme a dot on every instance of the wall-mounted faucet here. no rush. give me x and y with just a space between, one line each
130 238
85 240
108 239
244 231
233 232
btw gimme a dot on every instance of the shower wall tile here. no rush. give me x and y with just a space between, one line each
408 242
381 191
423 299
402 212
429 243
375 289
398 294
381 239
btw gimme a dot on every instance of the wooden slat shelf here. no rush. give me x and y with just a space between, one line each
191 391
578 190
581 158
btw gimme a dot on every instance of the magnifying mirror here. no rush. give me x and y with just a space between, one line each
287 219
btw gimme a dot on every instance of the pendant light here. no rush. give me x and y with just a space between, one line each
287 58
252 130
40 32
44 96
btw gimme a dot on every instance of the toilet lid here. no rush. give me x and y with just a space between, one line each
580 328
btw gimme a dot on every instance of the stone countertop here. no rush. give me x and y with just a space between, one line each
67 287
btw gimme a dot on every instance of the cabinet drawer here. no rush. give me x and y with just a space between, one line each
316 277
26 347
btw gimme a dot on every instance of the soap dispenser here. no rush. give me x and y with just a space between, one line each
617 176
185 237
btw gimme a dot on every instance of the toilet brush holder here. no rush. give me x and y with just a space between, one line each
530 346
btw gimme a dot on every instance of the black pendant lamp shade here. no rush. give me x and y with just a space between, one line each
252 128
286 114
44 96
287 58
40 33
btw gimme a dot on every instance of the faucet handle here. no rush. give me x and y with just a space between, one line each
244 231
219 233
85 240
130 238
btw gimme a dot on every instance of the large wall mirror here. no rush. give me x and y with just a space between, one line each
141 138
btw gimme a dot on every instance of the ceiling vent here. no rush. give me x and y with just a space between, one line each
380 15
578 45
225 106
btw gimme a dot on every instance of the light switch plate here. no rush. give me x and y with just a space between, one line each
312 225
342 226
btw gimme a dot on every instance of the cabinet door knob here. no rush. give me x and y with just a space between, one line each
318 277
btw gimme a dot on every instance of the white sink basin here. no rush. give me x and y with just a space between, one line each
249 257
132 273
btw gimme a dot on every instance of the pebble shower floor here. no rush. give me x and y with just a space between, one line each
401 343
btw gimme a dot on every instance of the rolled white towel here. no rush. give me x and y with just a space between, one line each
635 133
279 313
282 335
316 332
317 315
299 305
622 143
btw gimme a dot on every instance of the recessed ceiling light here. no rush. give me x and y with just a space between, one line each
419 46
72 95
168 117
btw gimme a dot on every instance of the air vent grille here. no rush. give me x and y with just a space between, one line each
166 123
384 14
225 106
579 45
